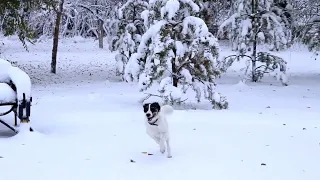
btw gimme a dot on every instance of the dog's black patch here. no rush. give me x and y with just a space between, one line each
146 107
155 107
151 109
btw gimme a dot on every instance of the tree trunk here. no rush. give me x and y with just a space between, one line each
56 38
100 33
100 28
174 73
255 34
174 67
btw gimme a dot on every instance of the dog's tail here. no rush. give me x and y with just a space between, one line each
166 109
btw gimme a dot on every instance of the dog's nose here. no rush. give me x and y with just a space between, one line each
148 115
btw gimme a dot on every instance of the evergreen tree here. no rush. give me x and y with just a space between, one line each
130 30
14 15
213 12
273 25
257 21
311 35
307 24
177 51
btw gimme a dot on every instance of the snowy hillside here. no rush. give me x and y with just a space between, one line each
89 125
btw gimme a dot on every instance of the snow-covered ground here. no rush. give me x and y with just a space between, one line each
89 125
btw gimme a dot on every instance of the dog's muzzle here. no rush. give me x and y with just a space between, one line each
149 116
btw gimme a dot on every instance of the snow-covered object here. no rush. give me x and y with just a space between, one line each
80 18
7 94
18 77
4 67
171 93
131 28
177 50
311 34
266 63
273 25
261 36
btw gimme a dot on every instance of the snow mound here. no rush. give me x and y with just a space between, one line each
19 78
27 136
6 94
240 84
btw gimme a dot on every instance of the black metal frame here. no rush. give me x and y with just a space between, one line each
18 109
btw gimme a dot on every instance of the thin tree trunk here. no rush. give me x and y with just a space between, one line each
100 28
255 32
56 38
100 33
174 72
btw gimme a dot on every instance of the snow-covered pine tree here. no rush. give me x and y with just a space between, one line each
272 25
238 26
112 25
258 21
311 35
14 16
178 52
279 35
214 12
307 27
130 30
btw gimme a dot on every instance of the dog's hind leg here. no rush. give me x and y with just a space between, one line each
169 155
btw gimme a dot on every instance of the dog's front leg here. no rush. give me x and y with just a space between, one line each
156 139
162 141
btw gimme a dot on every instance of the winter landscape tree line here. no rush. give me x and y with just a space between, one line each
174 43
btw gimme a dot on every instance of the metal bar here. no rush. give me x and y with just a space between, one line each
8 126
9 111
8 104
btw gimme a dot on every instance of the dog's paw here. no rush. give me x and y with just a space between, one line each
162 150
169 156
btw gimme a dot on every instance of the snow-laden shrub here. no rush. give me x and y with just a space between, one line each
130 30
178 52
273 26
266 63
311 35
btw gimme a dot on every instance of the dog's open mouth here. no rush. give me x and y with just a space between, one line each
150 118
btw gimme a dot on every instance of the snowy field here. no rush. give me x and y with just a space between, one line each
89 125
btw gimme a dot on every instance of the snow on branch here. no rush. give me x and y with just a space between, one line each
178 53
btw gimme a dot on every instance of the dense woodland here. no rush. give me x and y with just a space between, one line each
31 19
147 35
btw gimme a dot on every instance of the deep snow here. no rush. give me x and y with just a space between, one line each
89 126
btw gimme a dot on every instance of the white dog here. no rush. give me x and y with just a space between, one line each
157 125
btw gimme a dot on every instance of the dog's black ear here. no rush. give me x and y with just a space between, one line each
145 106
156 105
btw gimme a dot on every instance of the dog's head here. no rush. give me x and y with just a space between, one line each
151 110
